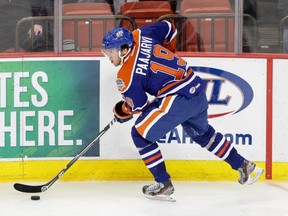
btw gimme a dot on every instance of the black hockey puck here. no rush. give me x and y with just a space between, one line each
35 197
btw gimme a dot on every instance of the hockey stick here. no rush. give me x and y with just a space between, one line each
42 188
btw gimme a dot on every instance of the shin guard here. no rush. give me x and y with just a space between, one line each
223 149
217 144
151 156
154 161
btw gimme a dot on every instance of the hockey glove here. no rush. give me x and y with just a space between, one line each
122 113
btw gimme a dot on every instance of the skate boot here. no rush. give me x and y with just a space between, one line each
159 191
249 173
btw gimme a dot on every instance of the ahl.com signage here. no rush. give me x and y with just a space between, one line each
227 93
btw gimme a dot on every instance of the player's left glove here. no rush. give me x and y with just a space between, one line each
121 112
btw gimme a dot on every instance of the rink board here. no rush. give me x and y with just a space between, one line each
241 92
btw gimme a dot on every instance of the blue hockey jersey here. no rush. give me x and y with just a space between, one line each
153 68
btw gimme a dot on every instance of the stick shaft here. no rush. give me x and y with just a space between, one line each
41 188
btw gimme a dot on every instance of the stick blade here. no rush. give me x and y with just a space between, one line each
28 188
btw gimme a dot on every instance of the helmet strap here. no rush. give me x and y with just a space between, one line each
123 57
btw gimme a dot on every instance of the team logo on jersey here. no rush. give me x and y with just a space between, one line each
227 93
120 83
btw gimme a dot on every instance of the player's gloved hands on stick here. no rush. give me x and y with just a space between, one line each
121 112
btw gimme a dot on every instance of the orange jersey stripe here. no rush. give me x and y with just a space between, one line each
125 74
147 122
171 46
153 158
223 149
174 83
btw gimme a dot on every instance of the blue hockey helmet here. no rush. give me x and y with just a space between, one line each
117 37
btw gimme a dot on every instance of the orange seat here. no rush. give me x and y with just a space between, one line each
87 33
144 12
86 9
188 38
205 6
217 34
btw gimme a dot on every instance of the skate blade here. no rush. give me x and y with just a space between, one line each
161 198
255 175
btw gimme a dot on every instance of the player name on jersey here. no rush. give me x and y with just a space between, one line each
144 55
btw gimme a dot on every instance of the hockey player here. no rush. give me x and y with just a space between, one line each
148 66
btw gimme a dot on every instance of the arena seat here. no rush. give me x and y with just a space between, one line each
86 33
216 31
144 12
205 6
268 21
86 9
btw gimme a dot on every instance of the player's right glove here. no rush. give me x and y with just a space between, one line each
121 112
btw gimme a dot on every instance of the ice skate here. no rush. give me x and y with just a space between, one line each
249 173
159 191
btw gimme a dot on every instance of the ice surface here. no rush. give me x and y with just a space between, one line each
124 198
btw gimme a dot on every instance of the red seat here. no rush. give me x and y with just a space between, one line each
205 6
86 9
144 12
87 33
188 37
216 33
